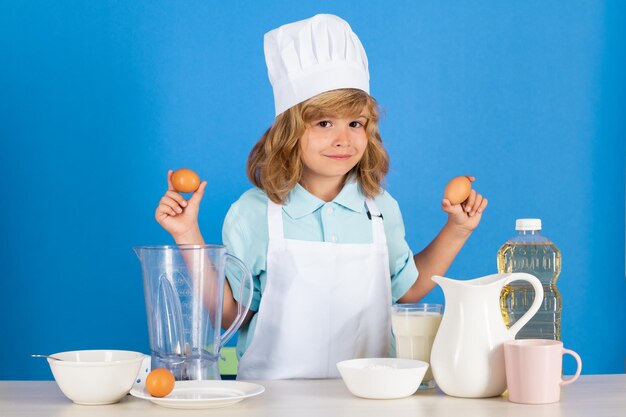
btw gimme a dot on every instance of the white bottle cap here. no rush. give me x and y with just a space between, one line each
528 224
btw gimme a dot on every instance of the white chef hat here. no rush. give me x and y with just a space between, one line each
312 56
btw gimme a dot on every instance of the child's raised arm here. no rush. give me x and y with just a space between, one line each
179 217
437 257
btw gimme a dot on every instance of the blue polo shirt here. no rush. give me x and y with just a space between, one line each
306 217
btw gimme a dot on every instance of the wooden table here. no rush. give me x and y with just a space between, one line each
591 395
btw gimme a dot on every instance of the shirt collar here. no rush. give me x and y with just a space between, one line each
301 202
351 196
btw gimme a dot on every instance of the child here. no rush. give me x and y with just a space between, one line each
325 244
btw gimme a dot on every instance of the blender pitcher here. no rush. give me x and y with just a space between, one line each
184 290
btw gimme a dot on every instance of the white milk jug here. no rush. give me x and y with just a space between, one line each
467 359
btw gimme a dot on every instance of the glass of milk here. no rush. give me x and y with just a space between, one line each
414 328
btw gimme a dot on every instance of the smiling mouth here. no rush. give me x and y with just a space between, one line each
339 157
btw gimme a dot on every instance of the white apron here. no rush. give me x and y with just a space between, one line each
323 303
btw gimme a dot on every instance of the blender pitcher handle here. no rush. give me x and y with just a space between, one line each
241 311
537 301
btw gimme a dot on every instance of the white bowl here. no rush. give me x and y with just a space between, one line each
94 377
382 378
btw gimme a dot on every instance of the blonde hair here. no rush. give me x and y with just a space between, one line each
274 164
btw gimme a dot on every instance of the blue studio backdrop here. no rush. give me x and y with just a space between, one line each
98 99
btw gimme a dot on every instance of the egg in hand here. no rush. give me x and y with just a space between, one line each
185 180
458 190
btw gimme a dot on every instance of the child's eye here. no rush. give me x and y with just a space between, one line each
324 123
356 124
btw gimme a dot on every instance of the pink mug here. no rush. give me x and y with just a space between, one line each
533 370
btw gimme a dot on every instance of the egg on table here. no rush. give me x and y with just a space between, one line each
160 382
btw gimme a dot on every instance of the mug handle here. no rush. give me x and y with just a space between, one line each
241 312
579 367
537 301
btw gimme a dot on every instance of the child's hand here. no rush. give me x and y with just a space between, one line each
176 215
466 215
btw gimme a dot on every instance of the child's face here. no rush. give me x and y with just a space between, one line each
331 147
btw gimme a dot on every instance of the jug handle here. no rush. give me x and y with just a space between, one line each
537 301
241 311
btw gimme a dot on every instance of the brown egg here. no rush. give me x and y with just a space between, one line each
185 180
160 382
457 190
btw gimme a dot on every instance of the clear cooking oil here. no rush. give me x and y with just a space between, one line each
533 253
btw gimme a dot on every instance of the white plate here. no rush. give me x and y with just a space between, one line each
202 394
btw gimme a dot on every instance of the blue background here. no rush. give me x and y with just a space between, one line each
99 98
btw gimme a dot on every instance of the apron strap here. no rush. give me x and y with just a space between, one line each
275 224
378 229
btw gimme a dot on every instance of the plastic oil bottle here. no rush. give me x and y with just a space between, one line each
533 253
